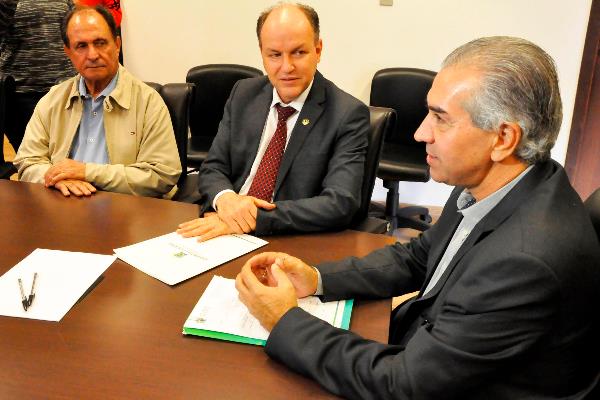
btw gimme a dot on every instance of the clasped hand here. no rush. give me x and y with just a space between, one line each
236 214
239 212
270 284
68 176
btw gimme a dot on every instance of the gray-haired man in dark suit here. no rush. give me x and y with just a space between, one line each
508 277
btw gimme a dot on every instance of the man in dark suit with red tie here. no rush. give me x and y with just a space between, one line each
290 151
508 277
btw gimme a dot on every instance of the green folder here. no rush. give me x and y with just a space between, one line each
345 324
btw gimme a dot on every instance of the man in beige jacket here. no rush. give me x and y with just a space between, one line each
103 129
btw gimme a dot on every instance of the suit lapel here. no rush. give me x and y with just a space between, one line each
507 206
254 125
466 246
311 112
447 228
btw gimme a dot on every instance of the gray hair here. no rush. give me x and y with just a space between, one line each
519 85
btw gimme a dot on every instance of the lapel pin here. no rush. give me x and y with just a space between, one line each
305 121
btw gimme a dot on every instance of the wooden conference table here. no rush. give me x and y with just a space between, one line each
123 339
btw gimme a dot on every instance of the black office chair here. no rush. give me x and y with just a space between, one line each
403 158
382 120
592 204
213 86
7 89
178 98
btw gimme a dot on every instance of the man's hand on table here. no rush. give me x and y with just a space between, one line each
75 187
65 169
68 176
207 227
236 214
239 212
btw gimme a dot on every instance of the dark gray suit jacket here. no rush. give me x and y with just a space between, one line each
320 177
514 316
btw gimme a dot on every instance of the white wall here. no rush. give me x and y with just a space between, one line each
163 39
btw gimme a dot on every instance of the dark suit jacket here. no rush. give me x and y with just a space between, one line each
320 177
514 316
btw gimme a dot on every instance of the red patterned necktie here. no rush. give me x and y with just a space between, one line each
264 181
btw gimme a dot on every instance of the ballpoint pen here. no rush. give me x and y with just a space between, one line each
32 293
23 297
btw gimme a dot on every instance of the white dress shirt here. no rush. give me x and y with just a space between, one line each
267 135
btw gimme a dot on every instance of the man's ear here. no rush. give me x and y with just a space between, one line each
319 49
507 138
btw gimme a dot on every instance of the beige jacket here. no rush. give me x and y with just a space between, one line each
139 138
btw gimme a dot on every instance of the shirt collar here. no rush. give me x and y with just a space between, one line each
297 103
107 90
479 209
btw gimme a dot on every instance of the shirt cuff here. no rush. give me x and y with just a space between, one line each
222 192
319 290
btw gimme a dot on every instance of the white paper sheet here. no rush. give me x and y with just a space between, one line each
172 258
62 278
219 309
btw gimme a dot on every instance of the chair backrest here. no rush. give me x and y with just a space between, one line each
7 88
592 204
178 98
382 120
213 86
405 91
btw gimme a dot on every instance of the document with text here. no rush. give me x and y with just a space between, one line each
172 258
47 283
219 314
